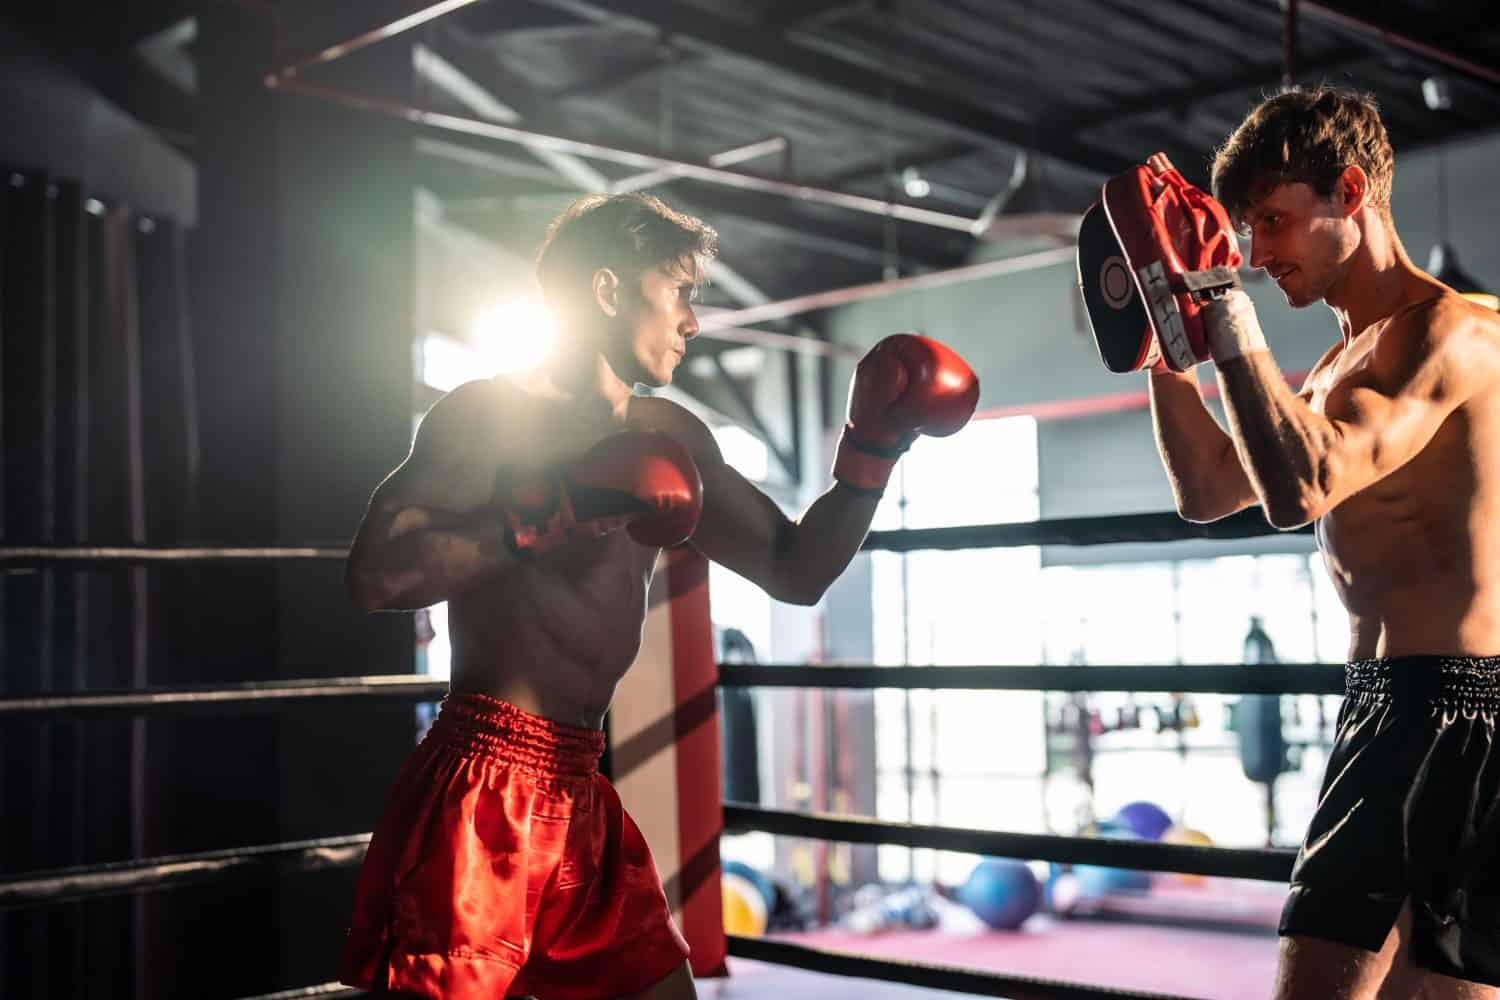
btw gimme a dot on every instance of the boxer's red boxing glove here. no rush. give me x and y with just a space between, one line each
644 481
906 386
1181 251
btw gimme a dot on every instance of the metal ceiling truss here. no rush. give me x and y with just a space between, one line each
797 55
785 53
1346 18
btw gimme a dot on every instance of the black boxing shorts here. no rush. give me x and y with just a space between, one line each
1409 809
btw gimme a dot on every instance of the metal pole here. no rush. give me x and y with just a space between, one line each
768 338
739 154
877 289
630 158
1399 40
1289 43
337 51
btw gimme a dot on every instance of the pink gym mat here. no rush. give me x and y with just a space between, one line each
1206 964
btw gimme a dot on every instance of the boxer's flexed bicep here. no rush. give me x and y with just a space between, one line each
461 445
436 504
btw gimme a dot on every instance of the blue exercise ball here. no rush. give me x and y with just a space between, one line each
1146 820
1098 881
1002 892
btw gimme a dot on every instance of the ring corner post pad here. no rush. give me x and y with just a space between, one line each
665 753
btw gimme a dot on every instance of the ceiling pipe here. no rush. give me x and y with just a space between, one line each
630 158
390 29
1289 43
1421 48
729 157
879 289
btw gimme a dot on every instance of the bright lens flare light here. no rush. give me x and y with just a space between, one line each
513 336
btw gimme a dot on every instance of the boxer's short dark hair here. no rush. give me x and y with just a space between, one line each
627 233
1310 136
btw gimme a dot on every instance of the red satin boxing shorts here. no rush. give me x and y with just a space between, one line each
505 866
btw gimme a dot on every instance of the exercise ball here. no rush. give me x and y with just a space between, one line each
1063 892
1107 828
1098 881
1146 820
1002 892
755 877
1189 836
745 910
1186 835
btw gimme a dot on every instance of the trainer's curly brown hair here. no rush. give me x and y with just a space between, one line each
1310 136
627 233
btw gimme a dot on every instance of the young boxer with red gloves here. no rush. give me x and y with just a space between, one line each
1392 447
504 864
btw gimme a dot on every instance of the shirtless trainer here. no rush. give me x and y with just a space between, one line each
1392 449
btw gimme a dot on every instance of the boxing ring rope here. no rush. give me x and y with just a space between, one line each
152 874
1247 863
1271 678
840 963
1165 526
46 887
925 974
70 885
1267 678
320 990
114 878
32 557
190 699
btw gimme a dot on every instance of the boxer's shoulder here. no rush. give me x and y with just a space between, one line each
654 413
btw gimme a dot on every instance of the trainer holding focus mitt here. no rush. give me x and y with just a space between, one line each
1392 448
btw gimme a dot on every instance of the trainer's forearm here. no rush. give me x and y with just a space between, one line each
819 546
1282 442
419 557
1192 445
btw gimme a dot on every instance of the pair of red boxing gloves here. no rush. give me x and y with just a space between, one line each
1157 268
647 483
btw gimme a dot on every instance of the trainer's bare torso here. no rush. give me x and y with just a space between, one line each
1415 557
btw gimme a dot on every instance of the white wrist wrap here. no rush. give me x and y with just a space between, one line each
1232 327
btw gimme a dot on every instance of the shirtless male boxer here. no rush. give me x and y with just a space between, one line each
1393 448
504 864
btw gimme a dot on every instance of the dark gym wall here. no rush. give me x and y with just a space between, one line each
304 257
53 121
291 227
89 330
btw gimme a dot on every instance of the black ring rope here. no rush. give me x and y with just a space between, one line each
937 977
834 962
1260 864
147 874
1264 678
1114 529
229 697
30 557
1270 678
1156 527
89 881
63 885
302 992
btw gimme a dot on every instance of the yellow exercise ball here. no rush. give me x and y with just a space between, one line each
1188 836
744 906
